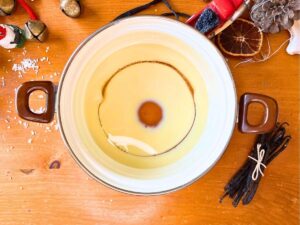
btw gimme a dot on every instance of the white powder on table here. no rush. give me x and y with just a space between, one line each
25 65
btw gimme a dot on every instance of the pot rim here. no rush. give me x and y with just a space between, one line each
90 173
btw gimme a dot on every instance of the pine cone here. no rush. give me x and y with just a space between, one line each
272 16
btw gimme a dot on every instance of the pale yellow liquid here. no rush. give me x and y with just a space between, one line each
113 97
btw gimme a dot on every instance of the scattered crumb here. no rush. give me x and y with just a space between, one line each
44 58
29 141
54 165
10 148
25 125
24 51
27 171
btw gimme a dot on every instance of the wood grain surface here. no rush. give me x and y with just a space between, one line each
31 193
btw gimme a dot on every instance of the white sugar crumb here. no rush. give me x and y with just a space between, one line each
24 52
40 96
33 133
25 125
56 127
2 82
39 110
47 49
29 141
25 65
44 59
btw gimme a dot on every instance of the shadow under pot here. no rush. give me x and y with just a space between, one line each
148 123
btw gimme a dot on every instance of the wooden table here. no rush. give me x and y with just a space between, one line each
39 195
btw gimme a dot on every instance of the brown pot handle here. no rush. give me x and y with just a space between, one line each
270 117
22 101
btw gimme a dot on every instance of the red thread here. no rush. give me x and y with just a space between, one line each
2 32
28 9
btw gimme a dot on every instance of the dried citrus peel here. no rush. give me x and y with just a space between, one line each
242 38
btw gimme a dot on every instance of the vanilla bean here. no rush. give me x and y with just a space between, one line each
141 8
180 14
170 8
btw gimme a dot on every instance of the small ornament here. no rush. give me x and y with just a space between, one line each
272 16
6 7
71 8
11 36
36 30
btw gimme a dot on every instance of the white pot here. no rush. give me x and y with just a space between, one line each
220 114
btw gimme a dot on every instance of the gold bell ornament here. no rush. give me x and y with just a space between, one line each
71 8
6 7
34 29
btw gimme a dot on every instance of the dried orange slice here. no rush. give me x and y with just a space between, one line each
241 38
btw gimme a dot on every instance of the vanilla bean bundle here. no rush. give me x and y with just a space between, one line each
244 183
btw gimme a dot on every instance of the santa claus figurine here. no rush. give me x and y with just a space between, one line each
11 36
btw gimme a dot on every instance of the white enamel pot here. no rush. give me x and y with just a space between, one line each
221 113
